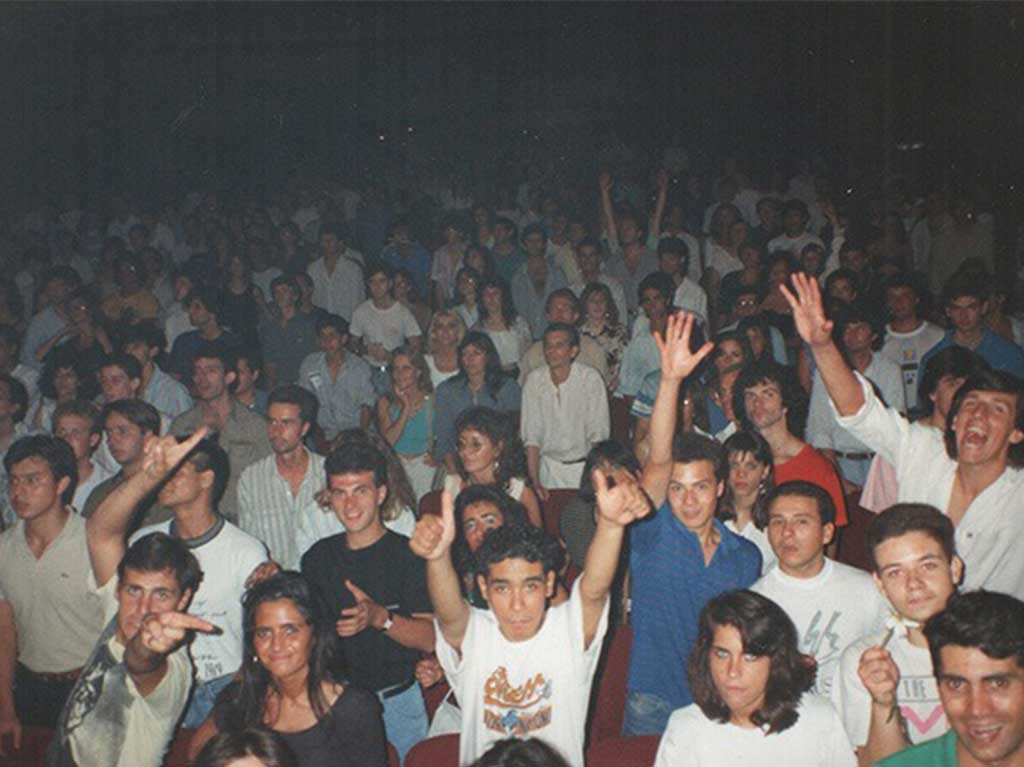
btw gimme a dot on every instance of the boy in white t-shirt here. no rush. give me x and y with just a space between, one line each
912 549
382 323
831 604
521 669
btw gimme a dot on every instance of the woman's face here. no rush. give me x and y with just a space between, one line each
477 519
751 258
758 343
740 678
730 356
446 331
746 474
492 301
65 383
597 308
778 274
738 233
478 452
474 360
404 375
282 639
467 288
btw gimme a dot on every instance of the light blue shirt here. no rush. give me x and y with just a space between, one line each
167 395
341 400
41 328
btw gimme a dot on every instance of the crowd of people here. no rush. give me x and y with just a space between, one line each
274 468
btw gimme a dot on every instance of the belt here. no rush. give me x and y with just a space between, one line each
397 689
570 463
61 677
854 456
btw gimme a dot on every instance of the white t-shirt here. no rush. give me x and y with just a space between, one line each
226 561
793 245
831 611
906 350
389 327
816 739
538 688
918 693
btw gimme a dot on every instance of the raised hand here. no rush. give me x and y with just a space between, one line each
677 361
163 633
661 180
808 310
604 182
880 675
262 572
163 454
622 504
365 613
434 535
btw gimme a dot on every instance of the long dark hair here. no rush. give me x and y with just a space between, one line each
499 428
766 631
508 306
249 700
512 513
757 446
494 376
267 746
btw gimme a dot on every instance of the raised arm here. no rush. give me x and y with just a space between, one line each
617 507
107 526
432 539
604 184
145 657
809 315
659 205
677 362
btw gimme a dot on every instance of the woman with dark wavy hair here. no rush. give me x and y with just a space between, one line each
244 748
751 692
287 683
742 507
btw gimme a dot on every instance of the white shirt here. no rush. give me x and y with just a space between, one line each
100 473
757 537
917 693
436 376
268 510
793 245
226 561
689 296
390 327
538 688
341 291
906 350
831 611
816 739
989 534
564 421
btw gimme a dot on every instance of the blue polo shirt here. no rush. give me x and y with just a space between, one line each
671 584
994 349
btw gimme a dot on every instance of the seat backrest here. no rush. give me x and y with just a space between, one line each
624 751
439 751
551 510
393 760
618 411
609 701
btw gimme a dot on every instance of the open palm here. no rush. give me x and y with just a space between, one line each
808 310
677 361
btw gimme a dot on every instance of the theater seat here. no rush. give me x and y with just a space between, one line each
393 760
622 751
177 755
609 701
853 548
618 411
551 510
442 751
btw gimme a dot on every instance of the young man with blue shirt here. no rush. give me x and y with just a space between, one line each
683 556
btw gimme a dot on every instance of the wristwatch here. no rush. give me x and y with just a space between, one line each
388 623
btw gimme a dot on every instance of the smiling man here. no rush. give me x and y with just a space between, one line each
977 650
971 476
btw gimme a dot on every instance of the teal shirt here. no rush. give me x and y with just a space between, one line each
937 752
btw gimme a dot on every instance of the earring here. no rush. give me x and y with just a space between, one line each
255 660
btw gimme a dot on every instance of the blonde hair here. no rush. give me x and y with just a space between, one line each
460 323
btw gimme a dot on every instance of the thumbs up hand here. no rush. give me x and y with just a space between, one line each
366 613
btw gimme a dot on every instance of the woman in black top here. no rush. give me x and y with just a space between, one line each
287 686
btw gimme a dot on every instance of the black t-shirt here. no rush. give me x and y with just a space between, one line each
351 735
394 578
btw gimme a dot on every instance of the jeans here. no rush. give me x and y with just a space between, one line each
405 719
646 714
204 695
37 702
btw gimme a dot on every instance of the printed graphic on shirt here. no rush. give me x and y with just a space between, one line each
826 645
516 710
921 708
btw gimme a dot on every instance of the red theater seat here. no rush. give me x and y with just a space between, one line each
622 751
442 751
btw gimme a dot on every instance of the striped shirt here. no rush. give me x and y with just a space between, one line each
268 510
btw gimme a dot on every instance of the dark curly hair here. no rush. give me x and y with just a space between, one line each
766 631
986 620
512 512
499 428
755 445
517 542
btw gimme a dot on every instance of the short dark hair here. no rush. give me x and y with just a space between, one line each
335 321
956 361
994 381
903 518
853 314
841 274
692 448
563 327
966 283
565 293
803 489
292 394
986 620
289 280
157 552
358 457
335 227
252 355
18 395
131 366
208 455
612 453
64 358
374 268
513 752
146 332
517 542
766 631
767 371
226 748
658 281
209 296
56 452
80 408
142 414
532 229
676 246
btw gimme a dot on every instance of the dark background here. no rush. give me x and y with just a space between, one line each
153 97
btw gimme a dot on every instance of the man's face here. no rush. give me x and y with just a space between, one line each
797 535
356 500
116 384
915 574
654 304
56 291
198 314
144 592
477 519
945 392
902 303
502 233
746 305
559 351
588 259
984 701
670 263
842 290
985 427
284 296
77 432
693 493
561 309
629 232
210 379
768 215
966 313
763 403
185 485
517 592
245 377
32 488
125 439
858 337
140 350
331 341
284 427
854 259
793 222
329 244
379 286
